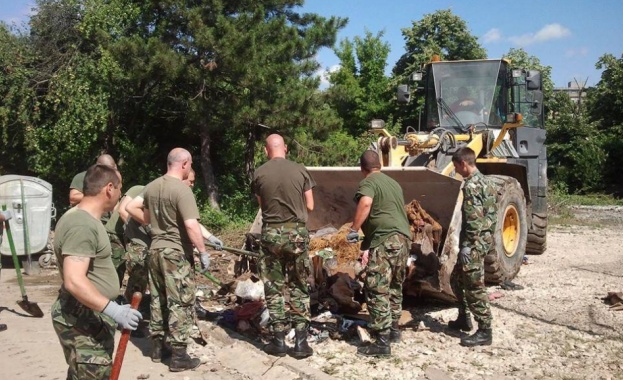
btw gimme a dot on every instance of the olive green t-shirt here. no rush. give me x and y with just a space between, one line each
169 203
133 230
78 181
280 184
387 214
79 234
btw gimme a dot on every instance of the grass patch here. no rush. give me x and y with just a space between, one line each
560 205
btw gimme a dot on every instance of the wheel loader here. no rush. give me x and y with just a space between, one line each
502 123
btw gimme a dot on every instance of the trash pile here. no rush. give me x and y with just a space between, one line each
336 283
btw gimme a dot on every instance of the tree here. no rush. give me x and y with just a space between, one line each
605 108
575 148
441 33
220 68
360 90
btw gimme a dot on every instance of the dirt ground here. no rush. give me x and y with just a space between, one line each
557 327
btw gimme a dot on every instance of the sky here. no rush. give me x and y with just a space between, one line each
568 35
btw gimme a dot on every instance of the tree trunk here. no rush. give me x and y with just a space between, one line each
208 170
249 154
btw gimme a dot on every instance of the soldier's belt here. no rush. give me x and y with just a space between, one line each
285 225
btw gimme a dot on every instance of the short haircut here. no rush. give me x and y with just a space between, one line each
466 155
97 177
369 160
177 155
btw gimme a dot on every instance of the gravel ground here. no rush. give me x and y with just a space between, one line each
557 327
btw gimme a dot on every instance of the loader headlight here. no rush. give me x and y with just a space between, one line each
377 124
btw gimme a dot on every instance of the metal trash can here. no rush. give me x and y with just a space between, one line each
39 213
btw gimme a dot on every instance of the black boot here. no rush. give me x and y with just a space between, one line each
394 333
277 345
301 349
482 337
2 327
463 322
181 361
380 347
159 350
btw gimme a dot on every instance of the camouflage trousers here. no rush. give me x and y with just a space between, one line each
469 288
118 255
285 263
385 273
87 338
136 265
172 287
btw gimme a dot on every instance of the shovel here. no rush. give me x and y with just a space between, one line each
30 307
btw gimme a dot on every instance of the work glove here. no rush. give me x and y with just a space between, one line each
124 315
6 215
465 255
205 261
216 242
352 236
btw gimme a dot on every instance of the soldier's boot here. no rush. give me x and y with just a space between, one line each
181 361
301 348
463 322
482 337
380 347
159 350
2 327
394 333
277 345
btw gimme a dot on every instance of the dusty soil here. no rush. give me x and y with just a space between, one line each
557 327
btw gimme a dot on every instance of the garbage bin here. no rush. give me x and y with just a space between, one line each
39 211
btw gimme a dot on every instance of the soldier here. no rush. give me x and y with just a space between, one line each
284 192
382 217
110 219
84 314
171 209
137 242
4 215
75 188
479 218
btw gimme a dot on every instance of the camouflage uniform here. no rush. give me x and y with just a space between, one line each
385 274
284 254
479 219
118 255
172 312
136 264
87 338
386 231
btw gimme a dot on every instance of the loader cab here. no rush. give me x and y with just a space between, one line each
483 94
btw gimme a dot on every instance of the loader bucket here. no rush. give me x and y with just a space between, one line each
438 194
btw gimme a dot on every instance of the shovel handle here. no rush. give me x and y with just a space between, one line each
236 250
9 237
123 342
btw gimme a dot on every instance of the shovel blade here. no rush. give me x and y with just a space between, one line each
31 308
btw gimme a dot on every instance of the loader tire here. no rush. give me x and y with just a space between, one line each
511 233
537 235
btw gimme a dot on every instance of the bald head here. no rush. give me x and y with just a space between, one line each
275 146
106 159
177 156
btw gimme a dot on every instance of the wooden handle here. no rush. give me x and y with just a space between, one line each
123 342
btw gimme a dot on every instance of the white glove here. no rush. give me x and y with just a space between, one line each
216 242
205 260
465 255
6 215
124 315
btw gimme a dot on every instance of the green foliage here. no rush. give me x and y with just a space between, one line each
214 220
575 148
442 33
360 90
